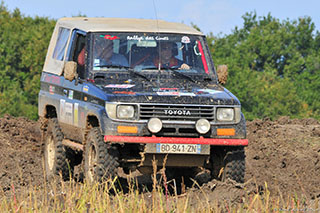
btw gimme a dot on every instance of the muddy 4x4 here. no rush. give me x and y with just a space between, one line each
122 92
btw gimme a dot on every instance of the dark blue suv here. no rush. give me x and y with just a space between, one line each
124 92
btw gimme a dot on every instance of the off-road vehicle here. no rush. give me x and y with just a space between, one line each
124 92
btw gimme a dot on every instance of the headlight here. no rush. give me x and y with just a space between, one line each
111 110
125 111
225 114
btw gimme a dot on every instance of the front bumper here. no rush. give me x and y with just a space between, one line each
175 140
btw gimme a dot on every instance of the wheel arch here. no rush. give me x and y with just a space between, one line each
92 121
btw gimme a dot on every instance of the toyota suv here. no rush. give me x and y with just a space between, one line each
131 93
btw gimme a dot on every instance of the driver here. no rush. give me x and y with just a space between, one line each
104 54
167 58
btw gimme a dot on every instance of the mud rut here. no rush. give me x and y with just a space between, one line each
284 153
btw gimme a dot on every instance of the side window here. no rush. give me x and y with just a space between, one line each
61 44
77 51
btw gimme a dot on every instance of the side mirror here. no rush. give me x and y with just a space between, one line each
70 70
222 72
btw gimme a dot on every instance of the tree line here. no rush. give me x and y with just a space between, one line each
274 66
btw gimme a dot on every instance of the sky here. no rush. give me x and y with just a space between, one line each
217 16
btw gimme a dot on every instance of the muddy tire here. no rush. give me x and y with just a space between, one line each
228 163
55 154
101 159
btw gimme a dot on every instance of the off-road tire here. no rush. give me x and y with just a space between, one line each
55 154
229 160
101 159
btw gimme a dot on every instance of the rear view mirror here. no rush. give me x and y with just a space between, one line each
70 70
222 72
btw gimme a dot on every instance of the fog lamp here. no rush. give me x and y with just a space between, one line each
203 126
154 125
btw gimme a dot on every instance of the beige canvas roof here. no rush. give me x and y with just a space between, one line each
109 25
126 25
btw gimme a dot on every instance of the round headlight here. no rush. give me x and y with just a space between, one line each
154 125
202 126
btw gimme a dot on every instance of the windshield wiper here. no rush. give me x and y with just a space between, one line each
181 74
112 66
174 70
132 71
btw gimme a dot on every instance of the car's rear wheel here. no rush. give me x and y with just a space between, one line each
101 159
55 154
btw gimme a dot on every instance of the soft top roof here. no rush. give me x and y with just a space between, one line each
125 25
54 66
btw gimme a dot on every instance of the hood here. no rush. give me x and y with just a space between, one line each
167 90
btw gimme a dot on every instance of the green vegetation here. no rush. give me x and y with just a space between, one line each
23 45
274 66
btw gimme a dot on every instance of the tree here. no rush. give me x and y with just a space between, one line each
273 66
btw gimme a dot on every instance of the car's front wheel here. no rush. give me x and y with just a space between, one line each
228 162
101 159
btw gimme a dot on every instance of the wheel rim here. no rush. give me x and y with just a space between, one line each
92 163
50 152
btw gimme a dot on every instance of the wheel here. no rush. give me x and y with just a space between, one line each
55 154
101 159
228 162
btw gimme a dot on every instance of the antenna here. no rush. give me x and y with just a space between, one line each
159 55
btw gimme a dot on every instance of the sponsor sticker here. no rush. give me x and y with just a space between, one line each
51 89
122 86
169 93
209 91
124 92
68 113
85 88
109 37
176 93
70 95
62 110
187 94
185 39
52 79
147 38
76 112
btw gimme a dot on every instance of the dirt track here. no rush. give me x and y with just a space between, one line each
284 153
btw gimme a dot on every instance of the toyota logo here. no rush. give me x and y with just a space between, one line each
176 112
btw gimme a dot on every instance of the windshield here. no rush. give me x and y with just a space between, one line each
187 54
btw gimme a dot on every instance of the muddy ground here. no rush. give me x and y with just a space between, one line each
284 154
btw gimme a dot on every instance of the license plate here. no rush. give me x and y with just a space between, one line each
179 148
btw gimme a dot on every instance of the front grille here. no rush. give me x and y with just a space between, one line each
170 112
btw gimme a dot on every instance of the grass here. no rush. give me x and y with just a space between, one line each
59 196
161 196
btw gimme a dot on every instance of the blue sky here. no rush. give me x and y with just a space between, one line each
216 16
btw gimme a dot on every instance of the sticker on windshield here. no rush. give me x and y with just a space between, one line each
122 86
185 40
96 64
147 38
109 37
